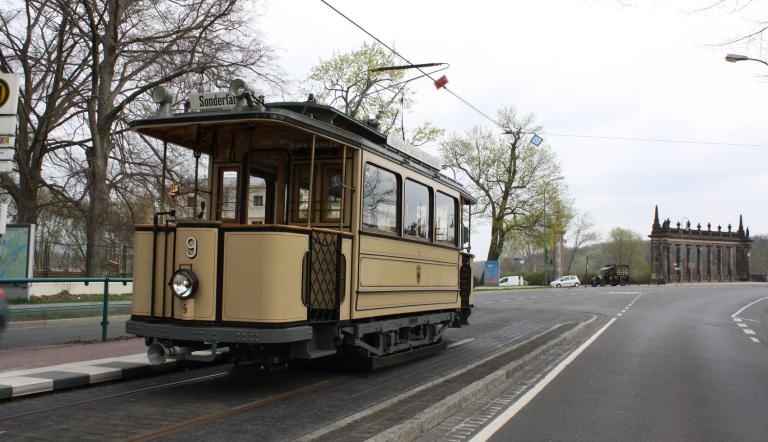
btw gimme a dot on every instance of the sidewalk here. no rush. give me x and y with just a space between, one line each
31 371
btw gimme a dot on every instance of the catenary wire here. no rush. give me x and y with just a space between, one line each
491 119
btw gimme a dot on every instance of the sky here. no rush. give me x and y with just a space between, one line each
615 69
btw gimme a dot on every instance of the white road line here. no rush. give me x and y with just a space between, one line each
737 319
748 331
741 324
747 319
505 300
510 412
754 339
457 343
747 306
487 302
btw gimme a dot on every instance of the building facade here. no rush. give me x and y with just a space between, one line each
682 253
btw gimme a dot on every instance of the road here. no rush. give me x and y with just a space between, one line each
675 365
61 331
671 363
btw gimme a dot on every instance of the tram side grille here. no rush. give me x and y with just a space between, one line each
324 277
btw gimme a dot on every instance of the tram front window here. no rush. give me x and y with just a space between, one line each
228 194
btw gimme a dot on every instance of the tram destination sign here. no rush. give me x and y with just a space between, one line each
200 101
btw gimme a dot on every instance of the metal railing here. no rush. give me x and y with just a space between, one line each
106 280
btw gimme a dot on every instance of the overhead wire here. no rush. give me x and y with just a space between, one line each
492 120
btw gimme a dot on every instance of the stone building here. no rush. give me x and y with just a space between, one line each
686 254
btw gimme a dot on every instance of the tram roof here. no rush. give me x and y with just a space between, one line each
309 115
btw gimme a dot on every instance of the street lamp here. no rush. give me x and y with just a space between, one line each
733 58
683 264
546 261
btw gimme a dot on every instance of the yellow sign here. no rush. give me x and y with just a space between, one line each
9 94
5 92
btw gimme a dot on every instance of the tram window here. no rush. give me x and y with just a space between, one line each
417 202
257 190
381 199
228 194
445 218
331 193
301 192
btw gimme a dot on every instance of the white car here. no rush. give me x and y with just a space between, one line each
566 281
508 281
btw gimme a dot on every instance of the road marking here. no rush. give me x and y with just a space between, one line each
754 339
505 300
747 306
618 314
740 324
487 302
737 319
510 412
748 331
457 343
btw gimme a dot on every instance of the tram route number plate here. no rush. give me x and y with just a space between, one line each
191 244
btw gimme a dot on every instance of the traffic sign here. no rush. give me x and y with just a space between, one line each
6 166
9 93
8 125
6 154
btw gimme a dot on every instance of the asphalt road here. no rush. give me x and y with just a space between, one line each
674 366
61 331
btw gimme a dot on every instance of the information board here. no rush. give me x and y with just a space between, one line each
16 251
491 273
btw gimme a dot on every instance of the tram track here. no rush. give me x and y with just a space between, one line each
200 404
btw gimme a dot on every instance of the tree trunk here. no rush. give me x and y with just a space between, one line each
497 243
96 221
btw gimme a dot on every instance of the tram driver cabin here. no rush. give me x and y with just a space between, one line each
315 235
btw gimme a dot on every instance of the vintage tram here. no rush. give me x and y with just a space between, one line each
314 235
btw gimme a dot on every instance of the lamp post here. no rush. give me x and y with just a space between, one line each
733 58
546 261
682 247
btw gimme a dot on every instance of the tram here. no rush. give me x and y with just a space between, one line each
314 235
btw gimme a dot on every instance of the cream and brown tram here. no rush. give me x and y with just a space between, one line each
314 236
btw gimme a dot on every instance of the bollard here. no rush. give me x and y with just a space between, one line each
105 311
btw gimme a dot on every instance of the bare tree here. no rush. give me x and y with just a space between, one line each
132 47
580 232
39 43
512 178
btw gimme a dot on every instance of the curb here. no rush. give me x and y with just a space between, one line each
44 379
417 426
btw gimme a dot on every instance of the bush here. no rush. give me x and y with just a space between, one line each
534 278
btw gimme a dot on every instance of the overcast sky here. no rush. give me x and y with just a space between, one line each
585 68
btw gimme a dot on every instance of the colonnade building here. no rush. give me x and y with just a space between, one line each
686 254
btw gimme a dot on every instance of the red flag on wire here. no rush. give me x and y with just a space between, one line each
441 82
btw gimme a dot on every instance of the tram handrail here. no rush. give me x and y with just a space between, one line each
86 280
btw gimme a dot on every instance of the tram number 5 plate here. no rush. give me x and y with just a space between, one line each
191 247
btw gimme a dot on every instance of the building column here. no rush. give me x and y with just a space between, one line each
719 263
698 263
709 263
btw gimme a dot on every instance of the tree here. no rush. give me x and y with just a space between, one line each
346 82
134 46
40 44
580 232
512 178
624 247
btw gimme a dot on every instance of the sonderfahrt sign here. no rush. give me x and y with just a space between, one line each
199 101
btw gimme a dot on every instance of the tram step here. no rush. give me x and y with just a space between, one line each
397 358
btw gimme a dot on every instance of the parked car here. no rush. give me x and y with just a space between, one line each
4 310
509 281
566 281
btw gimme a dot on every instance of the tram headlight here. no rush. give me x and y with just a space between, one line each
183 283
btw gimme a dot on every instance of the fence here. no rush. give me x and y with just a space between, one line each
54 259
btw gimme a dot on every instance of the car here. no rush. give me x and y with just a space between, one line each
566 281
509 281
4 311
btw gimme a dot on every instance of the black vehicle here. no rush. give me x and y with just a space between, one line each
614 274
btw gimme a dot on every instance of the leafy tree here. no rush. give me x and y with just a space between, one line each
625 247
512 178
346 82
580 232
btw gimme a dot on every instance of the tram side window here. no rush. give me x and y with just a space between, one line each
332 193
445 218
381 195
417 205
228 194
301 193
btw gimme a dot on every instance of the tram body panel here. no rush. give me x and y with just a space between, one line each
142 285
197 250
261 280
